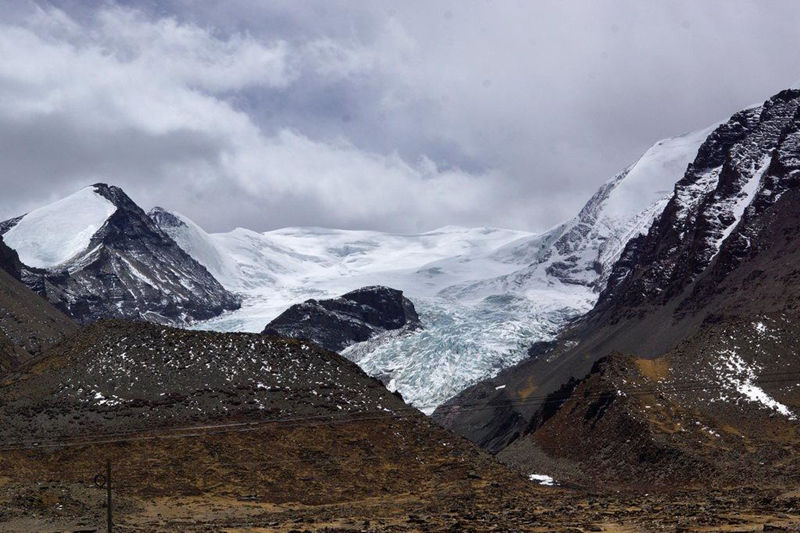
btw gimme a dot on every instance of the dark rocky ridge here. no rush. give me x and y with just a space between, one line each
28 324
698 266
132 270
354 317
9 261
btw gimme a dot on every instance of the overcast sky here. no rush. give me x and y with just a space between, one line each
398 116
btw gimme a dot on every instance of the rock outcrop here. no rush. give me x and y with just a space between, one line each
354 317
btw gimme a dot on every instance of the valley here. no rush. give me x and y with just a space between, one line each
634 368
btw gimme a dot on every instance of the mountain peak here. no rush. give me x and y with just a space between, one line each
95 254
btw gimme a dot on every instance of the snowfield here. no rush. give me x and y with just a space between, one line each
53 234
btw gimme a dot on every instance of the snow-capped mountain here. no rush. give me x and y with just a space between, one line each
582 251
744 167
712 290
96 254
483 294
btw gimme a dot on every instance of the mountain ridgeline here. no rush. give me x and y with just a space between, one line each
704 305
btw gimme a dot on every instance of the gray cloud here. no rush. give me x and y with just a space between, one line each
383 115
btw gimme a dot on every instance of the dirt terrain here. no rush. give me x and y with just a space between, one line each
371 475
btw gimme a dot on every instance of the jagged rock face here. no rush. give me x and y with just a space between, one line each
724 249
129 268
744 167
354 317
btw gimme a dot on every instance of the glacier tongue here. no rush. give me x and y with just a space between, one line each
483 294
53 234
462 343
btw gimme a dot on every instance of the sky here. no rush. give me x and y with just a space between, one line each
383 115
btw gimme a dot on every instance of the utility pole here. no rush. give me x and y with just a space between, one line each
108 496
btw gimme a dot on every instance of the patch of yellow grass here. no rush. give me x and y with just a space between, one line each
653 369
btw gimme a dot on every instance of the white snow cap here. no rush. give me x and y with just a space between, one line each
53 234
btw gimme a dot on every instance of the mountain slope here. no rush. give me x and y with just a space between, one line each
720 258
28 324
640 422
146 376
96 254
583 250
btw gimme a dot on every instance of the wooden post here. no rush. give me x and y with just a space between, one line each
108 496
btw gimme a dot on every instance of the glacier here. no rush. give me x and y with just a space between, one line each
484 295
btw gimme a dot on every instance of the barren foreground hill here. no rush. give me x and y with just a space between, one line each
242 432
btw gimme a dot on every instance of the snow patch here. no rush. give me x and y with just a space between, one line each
542 479
737 205
742 377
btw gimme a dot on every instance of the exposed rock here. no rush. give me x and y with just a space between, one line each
9 261
354 317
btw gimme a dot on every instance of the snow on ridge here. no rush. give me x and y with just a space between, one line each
651 180
582 251
194 240
52 235
737 205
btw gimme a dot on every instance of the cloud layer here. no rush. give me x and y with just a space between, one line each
388 116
